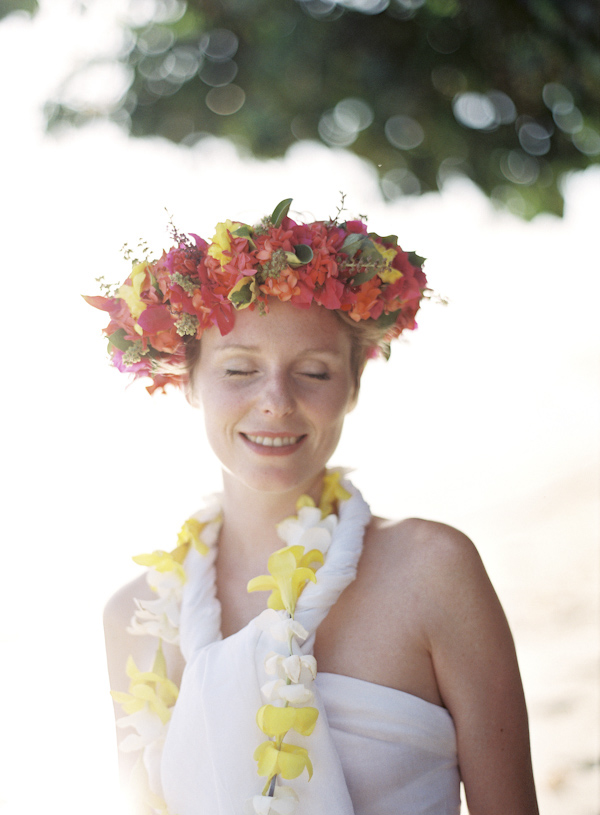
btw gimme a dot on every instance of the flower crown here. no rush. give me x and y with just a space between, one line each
164 304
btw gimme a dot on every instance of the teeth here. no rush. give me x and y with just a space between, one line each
273 441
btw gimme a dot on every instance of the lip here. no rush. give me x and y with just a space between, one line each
274 447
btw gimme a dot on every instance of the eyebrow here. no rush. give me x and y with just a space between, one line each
255 348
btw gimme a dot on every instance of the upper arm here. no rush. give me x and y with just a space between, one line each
119 643
478 676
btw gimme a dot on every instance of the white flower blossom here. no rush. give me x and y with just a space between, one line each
308 530
283 802
148 727
158 618
278 690
165 583
296 668
281 627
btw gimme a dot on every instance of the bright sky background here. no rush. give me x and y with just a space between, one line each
487 418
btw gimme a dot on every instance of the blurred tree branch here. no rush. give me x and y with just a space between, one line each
505 92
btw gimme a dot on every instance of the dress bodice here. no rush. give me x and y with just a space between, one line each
375 750
398 752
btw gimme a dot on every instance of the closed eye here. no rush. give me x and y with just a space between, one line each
234 372
323 376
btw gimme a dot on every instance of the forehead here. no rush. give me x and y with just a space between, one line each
284 327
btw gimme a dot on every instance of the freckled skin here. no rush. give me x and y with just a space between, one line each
273 374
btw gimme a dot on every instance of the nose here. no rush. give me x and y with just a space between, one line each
276 397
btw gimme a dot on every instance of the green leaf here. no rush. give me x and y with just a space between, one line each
304 253
242 297
387 320
393 239
352 243
415 259
244 231
362 277
280 211
118 340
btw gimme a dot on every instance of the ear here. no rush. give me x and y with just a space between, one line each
353 402
190 393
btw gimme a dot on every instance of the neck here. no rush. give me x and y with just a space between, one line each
251 516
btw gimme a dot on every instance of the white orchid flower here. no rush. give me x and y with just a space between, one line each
280 626
278 690
283 802
165 583
308 529
148 727
158 618
296 668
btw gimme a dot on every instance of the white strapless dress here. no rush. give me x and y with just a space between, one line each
375 750
398 752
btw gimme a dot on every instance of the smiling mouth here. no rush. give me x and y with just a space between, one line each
273 441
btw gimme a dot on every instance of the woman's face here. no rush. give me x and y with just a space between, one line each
275 392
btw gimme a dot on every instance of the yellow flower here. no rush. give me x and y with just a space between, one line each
131 293
304 501
288 761
165 561
138 276
221 242
152 688
276 721
388 275
289 572
332 493
190 535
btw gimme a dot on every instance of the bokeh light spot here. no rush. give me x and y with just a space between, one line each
182 63
557 97
217 74
219 44
451 167
155 39
534 139
366 6
404 132
322 9
353 114
398 182
333 133
474 110
587 141
520 168
506 112
570 121
225 101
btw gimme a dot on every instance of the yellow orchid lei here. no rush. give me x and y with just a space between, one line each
152 695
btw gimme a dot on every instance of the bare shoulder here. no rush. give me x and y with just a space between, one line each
441 551
438 568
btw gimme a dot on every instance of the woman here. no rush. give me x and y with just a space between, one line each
417 684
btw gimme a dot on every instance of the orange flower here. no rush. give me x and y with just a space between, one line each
167 341
366 301
283 287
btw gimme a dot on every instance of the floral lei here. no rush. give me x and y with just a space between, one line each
164 304
152 695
